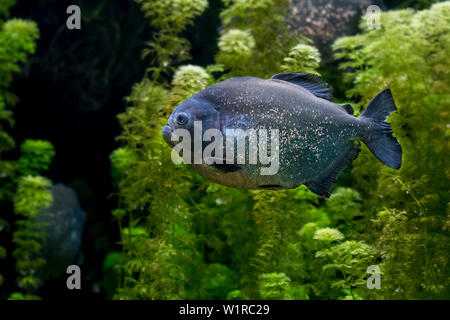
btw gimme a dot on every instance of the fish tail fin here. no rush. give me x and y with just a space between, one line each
379 139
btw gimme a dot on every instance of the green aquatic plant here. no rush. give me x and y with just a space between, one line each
273 285
409 54
328 235
185 237
153 215
17 41
172 14
265 35
218 281
236 295
21 296
36 156
345 210
122 160
169 18
33 194
235 48
157 221
5 5
394 244
267 213
349 259
253 240
187 80
302 58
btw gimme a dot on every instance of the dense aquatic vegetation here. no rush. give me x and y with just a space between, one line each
415 198
22 186
184 237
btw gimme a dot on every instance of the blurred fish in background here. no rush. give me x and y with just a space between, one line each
65 222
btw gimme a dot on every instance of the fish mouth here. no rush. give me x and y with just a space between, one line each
167 135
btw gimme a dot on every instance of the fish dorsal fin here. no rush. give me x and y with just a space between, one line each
311 82
348 108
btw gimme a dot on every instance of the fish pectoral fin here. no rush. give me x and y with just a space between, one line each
323 186
222 165
311 82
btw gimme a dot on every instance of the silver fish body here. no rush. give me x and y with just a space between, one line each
317 138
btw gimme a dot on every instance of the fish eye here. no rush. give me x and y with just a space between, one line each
182 118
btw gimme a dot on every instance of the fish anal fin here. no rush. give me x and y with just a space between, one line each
311 82
323 186
320 188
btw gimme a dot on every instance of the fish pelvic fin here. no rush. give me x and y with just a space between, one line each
379 139
322 186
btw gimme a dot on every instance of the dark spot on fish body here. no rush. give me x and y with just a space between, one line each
227 167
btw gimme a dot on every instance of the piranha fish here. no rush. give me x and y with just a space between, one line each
317 138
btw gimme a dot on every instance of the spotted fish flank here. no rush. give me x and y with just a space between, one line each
317 138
